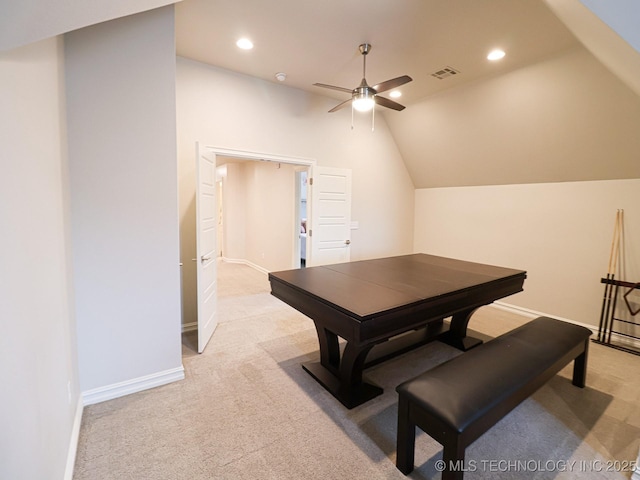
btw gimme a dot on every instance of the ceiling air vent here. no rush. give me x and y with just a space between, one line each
445 72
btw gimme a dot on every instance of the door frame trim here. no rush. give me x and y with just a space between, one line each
267 157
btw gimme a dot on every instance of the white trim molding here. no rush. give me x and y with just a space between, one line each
619 339
73 440
269 157
189 327
246 262
534 314
134 385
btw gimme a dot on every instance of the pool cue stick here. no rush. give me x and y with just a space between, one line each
616 254
620 229
606 300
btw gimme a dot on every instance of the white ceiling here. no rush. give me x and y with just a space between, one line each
317 41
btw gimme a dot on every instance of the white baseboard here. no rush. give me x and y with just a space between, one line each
526 312
189 327
622 341
134 385
246 262
618 339
73 440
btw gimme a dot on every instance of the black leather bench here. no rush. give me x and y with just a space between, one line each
459 400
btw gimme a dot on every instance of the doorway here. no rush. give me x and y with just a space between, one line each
301 206
262 213
255 228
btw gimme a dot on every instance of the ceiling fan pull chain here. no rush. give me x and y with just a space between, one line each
373 118
351 115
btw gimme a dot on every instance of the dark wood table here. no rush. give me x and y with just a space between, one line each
374 303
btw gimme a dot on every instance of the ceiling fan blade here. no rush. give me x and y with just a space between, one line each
393 83
341 105
385 102
333 87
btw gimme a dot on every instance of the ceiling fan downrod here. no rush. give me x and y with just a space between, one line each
365 48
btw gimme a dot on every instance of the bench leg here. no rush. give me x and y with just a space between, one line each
406 439
580 367
453 456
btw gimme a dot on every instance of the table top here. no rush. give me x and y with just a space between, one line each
367 288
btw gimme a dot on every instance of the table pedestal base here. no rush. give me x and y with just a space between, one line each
344 381
349 397
464 344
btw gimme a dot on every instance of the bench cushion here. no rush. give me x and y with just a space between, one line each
466 388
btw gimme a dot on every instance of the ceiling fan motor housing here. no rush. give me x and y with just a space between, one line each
364 91
363 98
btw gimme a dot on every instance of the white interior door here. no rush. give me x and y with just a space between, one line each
330 215
206 244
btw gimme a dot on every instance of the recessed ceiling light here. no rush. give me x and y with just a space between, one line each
495 55
395 94
245 44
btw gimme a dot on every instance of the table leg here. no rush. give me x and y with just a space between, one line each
329 349
353 391
457 334
342 376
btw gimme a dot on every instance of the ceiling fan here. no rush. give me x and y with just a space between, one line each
364 97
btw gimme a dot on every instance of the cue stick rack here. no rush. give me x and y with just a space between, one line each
619 294
614 318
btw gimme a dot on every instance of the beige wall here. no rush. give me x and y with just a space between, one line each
223 109
234 213
40 389
565 118
259 214
271 222
560 233
122 156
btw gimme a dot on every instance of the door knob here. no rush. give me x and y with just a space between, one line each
347 242
204 259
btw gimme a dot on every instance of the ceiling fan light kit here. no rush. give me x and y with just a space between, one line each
364 97
363 100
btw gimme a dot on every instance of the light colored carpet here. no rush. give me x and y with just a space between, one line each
247 410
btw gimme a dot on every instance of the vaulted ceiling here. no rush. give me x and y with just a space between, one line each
317 42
